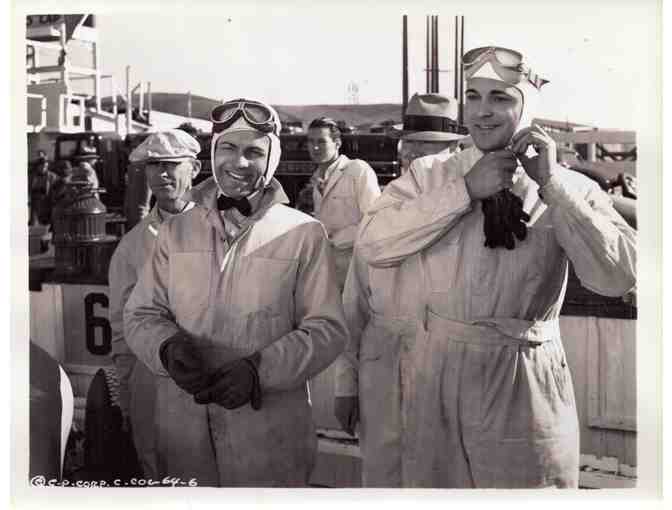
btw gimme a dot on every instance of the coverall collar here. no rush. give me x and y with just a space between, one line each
205 196
333 173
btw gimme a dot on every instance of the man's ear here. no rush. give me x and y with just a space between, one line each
196 168
338 143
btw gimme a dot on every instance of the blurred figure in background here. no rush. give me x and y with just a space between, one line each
40 187
343 190
430 126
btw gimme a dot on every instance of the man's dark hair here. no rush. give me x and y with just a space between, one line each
330 124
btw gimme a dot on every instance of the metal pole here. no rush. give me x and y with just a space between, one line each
436 54
461 69
129 101
427 44
141 104
189 105
431 56
98 92
149 102
456 64
404 71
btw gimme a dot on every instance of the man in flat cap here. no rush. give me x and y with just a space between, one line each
169 160
486 237
237 309
430 127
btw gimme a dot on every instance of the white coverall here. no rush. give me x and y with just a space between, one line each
475 390
351 188
137 391
272 290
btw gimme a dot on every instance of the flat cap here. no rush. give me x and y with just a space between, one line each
168 145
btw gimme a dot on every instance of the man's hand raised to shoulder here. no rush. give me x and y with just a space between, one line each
492 173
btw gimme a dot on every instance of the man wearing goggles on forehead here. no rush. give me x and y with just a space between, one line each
238 308
490 401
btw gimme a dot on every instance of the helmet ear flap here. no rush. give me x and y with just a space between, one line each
275 152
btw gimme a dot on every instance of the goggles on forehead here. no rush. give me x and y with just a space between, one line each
508 64
256 114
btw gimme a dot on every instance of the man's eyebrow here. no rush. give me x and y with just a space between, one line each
500 93
471 90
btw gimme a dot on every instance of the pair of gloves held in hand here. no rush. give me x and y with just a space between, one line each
231 386
504 218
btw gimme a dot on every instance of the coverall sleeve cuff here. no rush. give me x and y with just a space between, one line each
460 196
556 192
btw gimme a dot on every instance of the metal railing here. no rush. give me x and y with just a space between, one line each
31 128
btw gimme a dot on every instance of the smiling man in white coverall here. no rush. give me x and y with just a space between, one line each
237 309
487 399
169 160
343 190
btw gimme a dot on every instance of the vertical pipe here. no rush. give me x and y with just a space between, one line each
189 105
431 54
461 69
404 71
149 102
591 153
456 63
129 101
141 104
96 86
436 54
427 45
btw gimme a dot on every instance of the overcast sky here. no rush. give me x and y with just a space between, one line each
292 52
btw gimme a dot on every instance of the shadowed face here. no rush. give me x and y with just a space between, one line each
169 180
240 160
413 149
492 112
321 146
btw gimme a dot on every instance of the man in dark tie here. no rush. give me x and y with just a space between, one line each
237 309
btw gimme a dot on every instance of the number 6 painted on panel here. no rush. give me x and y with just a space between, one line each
93 322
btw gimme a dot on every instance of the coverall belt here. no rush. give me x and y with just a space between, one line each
404 325
495 331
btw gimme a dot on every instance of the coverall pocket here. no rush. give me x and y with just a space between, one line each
265 283
254 331
190 280
345 210
561 375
